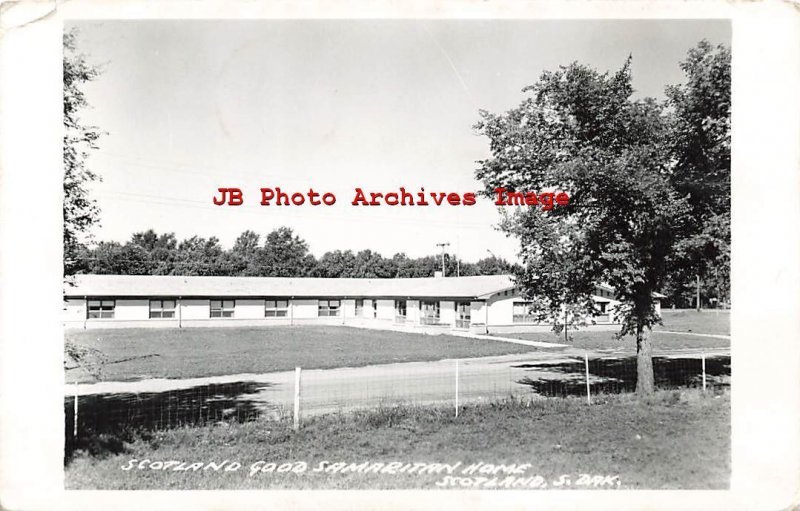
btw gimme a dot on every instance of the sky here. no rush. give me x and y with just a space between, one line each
192 106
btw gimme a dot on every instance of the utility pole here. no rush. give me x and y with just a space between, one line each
442 245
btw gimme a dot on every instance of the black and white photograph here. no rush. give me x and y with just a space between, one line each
397 254
495 256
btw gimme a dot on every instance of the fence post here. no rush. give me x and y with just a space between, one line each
456 388
703 358
588 389
296 398
75 422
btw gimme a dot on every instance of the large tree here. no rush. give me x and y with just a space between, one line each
369 264
494 266
285 255
79 209
336 264
245 254
201 256
700 141
161 251
580 131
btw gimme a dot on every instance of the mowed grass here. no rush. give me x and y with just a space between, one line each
713 321
684 321
196 352
675 440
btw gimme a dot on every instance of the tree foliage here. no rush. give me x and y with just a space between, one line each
700 142
580 131
79 210
283 254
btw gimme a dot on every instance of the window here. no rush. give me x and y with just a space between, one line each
276 308
603 312
162 309
100 309
430 313
360 307
329 308
463 315
222 308
605 293
374 308
523 312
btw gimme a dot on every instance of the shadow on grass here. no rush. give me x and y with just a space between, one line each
106 422
615 375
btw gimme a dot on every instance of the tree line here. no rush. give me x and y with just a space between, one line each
281 254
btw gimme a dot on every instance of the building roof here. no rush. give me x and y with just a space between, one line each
478 287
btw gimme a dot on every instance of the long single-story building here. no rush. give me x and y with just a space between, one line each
481 304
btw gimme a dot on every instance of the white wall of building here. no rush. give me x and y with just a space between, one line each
128 310
412 311
369 311
196 312
478 312
193 308
249 309
385 310
501 310
348 310
74 312
305 309
501 316
447 312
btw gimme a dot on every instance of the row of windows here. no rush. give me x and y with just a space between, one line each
604 293
160 309
430 310
523 311
221 308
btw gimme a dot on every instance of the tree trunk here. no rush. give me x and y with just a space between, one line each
645 379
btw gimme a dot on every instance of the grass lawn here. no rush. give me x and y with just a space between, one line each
703 322
675 440
688 321
196 352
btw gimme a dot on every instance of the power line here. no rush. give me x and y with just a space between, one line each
204 206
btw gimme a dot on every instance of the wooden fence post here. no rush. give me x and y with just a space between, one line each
588 388
75 422
703 358
456 388
296 398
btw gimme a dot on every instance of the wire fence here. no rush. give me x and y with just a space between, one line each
103 421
